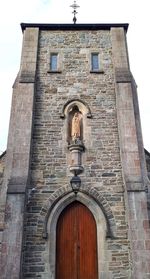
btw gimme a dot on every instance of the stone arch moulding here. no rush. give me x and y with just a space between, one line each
82 105
88 196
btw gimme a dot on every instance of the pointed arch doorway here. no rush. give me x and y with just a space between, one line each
76 243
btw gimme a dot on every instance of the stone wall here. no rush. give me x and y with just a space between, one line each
50 154
2 167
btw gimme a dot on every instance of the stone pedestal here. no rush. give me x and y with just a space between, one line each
76 148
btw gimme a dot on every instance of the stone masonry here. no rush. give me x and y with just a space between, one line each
2 167
37 176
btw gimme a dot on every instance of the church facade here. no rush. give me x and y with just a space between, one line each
74 193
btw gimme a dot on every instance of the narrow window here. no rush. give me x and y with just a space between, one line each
95 61
53 62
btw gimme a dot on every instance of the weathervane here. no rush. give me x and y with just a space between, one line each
74 6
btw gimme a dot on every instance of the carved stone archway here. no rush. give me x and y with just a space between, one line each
90 192
82 105
95 202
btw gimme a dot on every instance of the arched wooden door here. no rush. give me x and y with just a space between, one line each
76 244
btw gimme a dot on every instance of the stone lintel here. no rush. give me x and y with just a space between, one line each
123 75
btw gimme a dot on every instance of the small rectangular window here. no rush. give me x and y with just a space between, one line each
54 62
95 61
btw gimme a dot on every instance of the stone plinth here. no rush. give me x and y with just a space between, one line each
76 148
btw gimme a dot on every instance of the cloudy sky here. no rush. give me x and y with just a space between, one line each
134 12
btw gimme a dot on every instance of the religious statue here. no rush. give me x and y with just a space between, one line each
76 126
76 146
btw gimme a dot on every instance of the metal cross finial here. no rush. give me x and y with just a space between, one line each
74 6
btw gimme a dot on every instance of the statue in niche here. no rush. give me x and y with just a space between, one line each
76 126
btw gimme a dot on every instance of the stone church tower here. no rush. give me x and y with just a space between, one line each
73 199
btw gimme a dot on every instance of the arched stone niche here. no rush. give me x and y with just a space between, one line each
72 107
82 105
102 214
75 113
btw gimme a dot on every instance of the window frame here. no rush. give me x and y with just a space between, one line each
93 68
99 70
54 67
59 67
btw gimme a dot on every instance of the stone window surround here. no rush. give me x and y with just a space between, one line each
100 224
59 60
100 70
